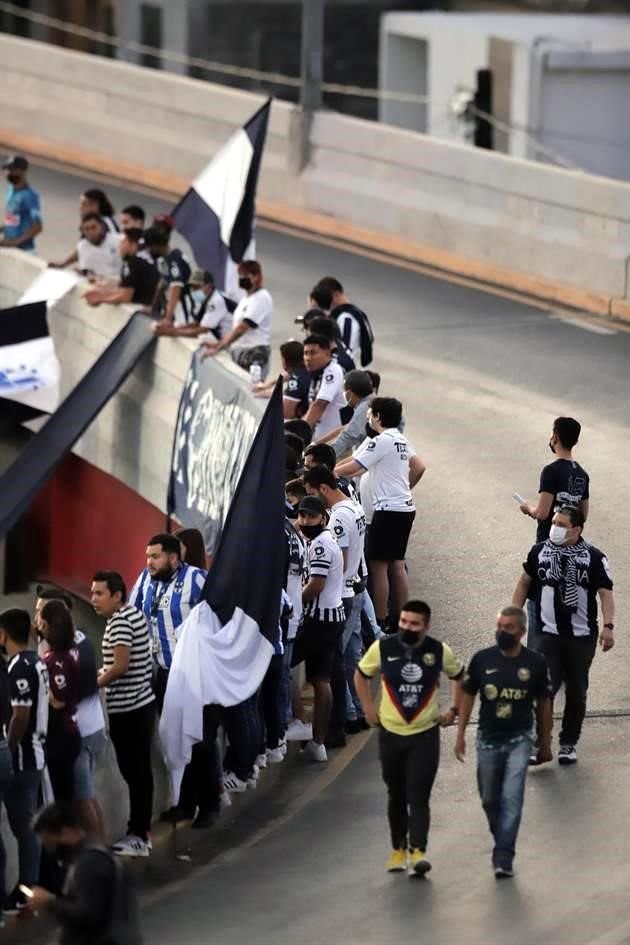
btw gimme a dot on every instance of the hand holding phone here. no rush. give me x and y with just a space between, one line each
26 891
518 498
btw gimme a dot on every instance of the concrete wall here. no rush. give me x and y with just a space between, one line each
132 436
467 209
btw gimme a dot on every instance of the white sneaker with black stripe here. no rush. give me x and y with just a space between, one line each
131 846
233 784
567 755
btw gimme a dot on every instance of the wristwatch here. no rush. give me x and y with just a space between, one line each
609 626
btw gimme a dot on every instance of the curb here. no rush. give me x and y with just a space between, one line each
392 248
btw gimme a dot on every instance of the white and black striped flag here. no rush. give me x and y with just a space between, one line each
223 647
29 369
217 214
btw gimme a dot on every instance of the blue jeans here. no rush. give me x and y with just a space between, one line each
6 776
501 774
286 688
21 801
534 630
352 648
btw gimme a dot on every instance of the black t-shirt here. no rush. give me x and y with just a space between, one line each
568 483
508 687
88 670
142 277
297 388
174 269
5 699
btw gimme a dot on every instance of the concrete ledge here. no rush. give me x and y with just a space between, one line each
351 236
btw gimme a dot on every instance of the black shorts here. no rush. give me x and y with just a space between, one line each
315 646
389 535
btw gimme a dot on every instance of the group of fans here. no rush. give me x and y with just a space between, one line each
345 617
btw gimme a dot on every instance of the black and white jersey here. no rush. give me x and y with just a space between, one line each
347 523
565 580
174 269
28 686
355 330
568 483
296 563
324 559
327 385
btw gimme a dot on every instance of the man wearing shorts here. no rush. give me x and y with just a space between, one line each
394 470
323 616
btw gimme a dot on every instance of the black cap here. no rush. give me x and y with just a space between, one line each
312 505
17 162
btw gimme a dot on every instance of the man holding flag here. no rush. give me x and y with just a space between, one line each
224 646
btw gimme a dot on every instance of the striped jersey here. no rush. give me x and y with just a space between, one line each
166 604
28 686
128 627
324 559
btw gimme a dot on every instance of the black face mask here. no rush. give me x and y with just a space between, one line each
410 638
245 282
292 511
505 641
370 431
551 446
13 178
312 531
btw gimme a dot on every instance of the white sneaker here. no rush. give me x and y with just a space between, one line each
275 755
252 783
282 745
130 846
299 731
261 761
233 784
313 751
225 800
255 772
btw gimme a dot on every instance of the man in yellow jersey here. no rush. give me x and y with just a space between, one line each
410 663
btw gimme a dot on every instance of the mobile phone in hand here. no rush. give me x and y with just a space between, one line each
26 891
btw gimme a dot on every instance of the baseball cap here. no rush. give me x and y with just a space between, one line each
201 277
17 162
312 505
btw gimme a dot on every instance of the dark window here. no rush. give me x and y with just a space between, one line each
150 33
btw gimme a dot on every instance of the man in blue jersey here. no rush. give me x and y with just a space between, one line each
22 216
166 591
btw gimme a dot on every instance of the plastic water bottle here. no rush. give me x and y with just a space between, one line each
255 375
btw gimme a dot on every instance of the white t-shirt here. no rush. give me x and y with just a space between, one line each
347 523
328 385
103 260
324 559
257 308
387 458
216 316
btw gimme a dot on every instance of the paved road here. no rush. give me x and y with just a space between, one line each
481 378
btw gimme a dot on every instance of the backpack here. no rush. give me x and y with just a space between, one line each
124 916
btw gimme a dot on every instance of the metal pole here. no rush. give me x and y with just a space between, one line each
311 70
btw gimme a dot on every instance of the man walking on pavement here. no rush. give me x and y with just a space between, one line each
565 576
510 680
562 482
410 663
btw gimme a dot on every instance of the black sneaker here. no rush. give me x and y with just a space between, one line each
175 815
353 726
335 740
14 903
503 872
567 755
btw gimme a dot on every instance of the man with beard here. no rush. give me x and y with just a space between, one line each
408 715
165 592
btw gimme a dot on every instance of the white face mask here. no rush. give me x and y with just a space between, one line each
558 534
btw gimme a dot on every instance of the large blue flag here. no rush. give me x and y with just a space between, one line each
224 646
217 214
